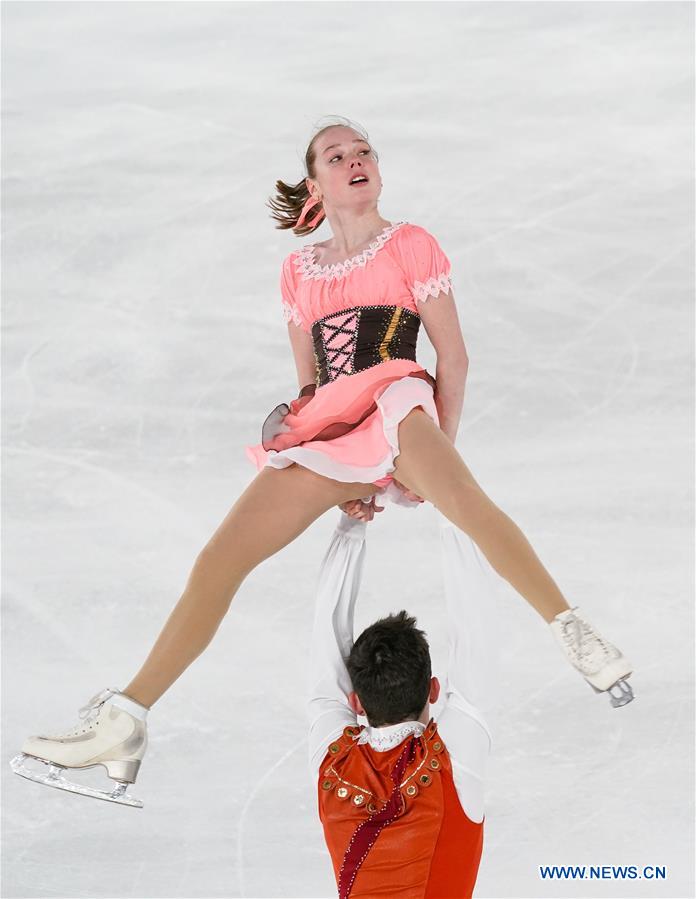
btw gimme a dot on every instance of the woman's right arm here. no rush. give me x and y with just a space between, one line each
303 351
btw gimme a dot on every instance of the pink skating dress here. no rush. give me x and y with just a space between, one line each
363 317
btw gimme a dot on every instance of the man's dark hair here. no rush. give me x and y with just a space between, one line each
389 666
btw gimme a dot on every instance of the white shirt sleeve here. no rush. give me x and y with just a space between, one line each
338 586
470 585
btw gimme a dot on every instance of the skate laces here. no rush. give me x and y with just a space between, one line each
88 713
584 641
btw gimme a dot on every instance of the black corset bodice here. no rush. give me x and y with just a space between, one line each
354 339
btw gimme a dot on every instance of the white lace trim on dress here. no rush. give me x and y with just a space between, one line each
431 288
384 738
309 268
290 312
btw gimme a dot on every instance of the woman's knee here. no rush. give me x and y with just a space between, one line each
217 570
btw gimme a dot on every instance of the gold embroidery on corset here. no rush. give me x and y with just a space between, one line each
383 351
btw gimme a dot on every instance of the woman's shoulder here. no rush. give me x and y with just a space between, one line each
413 242
292 255
292 262
411 228
410 231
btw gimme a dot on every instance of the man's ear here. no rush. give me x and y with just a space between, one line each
434 690
354 703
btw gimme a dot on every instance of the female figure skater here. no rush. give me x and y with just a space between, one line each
367 414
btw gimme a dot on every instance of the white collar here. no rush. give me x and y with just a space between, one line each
383 738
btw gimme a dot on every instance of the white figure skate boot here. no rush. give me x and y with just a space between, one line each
106 735
602 665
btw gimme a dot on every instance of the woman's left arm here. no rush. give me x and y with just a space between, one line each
441 322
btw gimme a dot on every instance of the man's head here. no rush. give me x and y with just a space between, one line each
389 666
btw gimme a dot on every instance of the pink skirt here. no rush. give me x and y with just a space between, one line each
348 430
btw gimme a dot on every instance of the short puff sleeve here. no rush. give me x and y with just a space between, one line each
287 292
427 268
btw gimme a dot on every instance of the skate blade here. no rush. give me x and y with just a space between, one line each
610 675
620 693
53 778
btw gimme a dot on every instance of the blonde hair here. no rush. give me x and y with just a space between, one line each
290 198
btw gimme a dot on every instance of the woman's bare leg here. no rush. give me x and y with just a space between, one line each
430 465
276 507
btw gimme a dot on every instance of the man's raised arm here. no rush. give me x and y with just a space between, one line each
471 586
338 585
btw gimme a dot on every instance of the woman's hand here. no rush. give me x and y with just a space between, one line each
356 508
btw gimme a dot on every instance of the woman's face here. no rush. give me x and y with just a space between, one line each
341 155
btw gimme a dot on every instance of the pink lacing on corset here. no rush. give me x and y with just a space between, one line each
431 288
309 268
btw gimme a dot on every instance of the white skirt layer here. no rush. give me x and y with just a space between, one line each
398 399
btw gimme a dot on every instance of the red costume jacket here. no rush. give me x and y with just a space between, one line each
393 822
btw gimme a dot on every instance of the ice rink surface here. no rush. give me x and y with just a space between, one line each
548 147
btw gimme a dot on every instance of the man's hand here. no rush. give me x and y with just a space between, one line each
356 508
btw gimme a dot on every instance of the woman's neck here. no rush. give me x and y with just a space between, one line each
350 237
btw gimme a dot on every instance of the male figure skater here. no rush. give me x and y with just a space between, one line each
401 800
